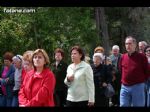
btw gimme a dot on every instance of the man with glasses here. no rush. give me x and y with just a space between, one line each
134 67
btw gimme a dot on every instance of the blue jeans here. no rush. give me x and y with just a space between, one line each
5 101
15 102
132 95
148 92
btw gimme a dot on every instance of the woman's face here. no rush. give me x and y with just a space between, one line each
148 52
97 60
75 56
7 62
58 56
17 64
39 60
27 65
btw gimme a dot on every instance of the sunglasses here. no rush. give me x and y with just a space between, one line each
148 50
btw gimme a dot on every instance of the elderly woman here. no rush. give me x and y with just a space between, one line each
79 80
18 62
38 85
6 80
101 79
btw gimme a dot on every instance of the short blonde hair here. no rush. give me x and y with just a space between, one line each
44 54
27 56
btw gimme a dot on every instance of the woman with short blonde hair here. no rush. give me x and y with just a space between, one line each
38 86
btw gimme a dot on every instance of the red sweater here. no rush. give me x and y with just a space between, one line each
37 90
134 68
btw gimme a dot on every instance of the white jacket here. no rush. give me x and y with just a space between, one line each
82 87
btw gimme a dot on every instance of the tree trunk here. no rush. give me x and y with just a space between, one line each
36 40
102 24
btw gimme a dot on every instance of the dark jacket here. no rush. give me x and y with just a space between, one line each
60 73
101 75
10 84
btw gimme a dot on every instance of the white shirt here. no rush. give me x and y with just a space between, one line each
82 87
17 79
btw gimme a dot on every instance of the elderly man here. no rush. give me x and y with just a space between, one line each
134 67
115 57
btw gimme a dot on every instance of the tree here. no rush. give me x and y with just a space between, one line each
102 23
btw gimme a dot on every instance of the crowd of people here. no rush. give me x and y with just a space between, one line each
29 80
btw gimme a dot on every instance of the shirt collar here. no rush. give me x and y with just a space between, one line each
132 53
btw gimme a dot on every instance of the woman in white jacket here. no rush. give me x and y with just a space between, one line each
79 80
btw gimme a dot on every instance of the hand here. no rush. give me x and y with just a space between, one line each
114 78
104 84
0 79
6 80
21 105
90 104
70 78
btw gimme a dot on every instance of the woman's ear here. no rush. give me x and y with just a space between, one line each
80 56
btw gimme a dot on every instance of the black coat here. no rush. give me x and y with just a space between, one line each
101 75
60 73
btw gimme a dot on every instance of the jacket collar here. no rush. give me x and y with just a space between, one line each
78 66
132 54
41 75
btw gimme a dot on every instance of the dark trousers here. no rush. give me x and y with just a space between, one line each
60 98
116 98
15 102
5 101
77 104
101 101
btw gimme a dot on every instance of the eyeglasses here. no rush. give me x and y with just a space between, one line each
148 50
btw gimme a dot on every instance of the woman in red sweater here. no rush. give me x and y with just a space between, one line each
38 85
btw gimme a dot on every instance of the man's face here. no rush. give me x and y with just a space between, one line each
130 45
115 51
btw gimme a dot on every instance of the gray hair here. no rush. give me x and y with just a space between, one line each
133 39
116 47
99 55
17 58
143 42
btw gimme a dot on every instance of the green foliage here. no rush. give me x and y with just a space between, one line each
47 28
52 27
